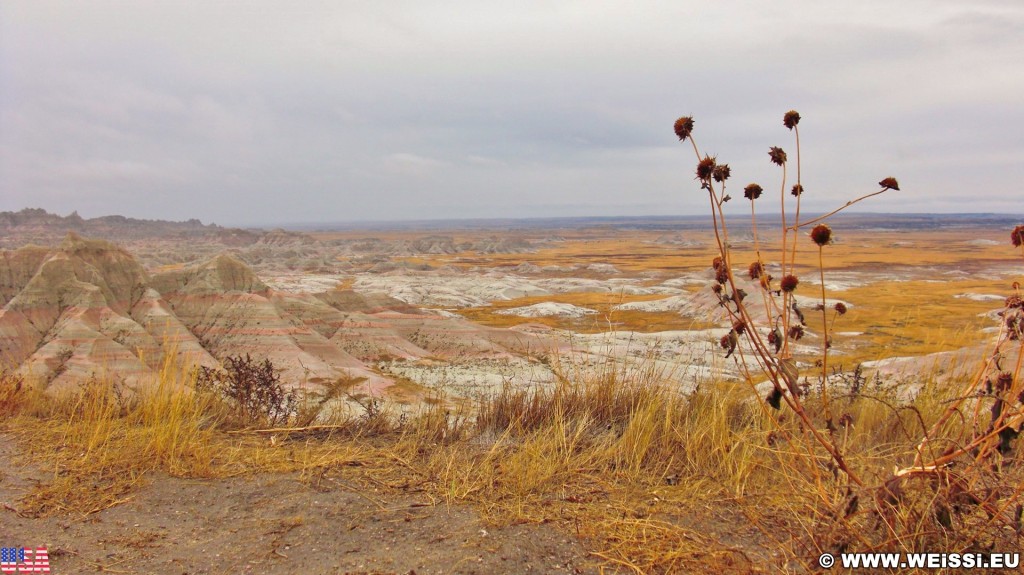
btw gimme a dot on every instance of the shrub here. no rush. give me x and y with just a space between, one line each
252 387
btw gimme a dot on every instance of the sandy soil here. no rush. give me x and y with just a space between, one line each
277 524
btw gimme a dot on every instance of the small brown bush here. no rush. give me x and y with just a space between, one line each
252 387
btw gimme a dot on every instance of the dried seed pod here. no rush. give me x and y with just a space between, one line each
797 190
890 184
774 398
791 119
721 172
752 191
789 283
728 343
1014 301
840 308
755 270
821 234
1017 236
722 274
739 326
777 155
796 332
705 168
684 127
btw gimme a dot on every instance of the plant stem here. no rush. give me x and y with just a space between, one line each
835 211
824 340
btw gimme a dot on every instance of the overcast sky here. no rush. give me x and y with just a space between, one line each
259 112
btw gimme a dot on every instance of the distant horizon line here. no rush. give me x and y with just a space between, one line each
475 222
330 225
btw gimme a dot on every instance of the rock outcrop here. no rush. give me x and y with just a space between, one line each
87 308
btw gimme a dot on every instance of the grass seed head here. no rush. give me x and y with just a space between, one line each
684 127
791 119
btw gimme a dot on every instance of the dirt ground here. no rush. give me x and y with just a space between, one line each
276 524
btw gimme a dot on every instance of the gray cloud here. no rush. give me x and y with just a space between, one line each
251 112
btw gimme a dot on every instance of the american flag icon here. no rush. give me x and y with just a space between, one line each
25 561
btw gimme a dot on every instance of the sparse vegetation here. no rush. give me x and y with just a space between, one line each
252 387
759 475
956 483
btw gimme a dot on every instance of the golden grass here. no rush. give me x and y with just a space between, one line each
655 482
643 473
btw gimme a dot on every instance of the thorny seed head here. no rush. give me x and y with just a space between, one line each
1017 236
717 288
840 308
791 119
683 127
822 235
721 172
752 192
705 168
717 262
797 190
789 283
1015 301
755 270
890 183
796 332
778 155
722 274
739 326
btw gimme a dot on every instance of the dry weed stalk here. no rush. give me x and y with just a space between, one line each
978 439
